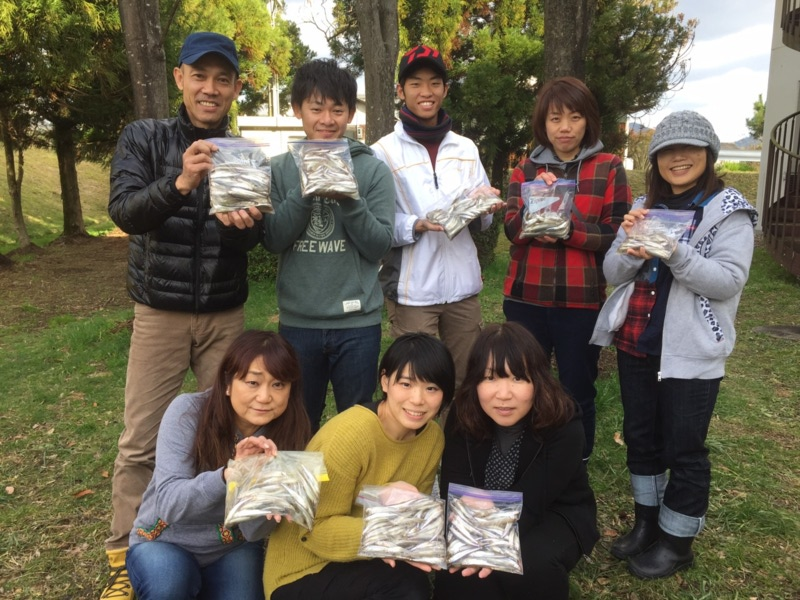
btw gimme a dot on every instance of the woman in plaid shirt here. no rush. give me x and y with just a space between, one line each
555 287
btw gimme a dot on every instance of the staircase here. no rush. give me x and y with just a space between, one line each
780 221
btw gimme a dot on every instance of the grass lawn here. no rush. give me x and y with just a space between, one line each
61 414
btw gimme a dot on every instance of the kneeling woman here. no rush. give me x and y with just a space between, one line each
512 427
179 547
393 441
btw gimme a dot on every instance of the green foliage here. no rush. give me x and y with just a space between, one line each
262 265
737 167
491 97
42 202
755 124
65 62
486 241
637 52
263 39
745 182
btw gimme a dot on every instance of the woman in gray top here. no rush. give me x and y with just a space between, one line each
179 547
672 322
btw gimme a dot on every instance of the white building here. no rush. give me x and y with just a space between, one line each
278 130
779 179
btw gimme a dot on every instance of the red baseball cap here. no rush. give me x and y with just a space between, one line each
421 56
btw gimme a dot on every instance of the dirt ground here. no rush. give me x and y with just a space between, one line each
78 278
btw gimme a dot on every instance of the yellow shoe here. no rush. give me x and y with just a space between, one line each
119 585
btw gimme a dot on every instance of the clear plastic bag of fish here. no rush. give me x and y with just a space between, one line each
287 484
464 210
483 528
326 167
547 208
658 232
241 177
403 525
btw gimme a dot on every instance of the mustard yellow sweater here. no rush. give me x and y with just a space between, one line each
357 453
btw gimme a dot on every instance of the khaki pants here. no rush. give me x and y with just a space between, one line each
164 346
457 324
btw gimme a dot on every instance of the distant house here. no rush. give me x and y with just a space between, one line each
278 130
779 182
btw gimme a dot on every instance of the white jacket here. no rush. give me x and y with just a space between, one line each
430 268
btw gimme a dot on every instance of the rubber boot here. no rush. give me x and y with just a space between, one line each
119 584
644 534
669 555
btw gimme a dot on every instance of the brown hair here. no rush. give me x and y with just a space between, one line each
216 429
572 94
658 189
510 349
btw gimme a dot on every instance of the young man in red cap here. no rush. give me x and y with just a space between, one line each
189 285
430 282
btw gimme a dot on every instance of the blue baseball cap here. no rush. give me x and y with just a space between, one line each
196 45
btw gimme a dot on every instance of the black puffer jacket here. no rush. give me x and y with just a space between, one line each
177 258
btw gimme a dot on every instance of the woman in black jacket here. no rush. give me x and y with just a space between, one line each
512 427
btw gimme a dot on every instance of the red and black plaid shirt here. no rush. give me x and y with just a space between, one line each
640 306
568 273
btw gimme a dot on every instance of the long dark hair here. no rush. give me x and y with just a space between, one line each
216 429
510 349
427 359
572 94
658 189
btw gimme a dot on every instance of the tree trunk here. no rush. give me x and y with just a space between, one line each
377 25
144 46
566 33
14 175
68 175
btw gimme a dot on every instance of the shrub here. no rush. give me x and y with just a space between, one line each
262 265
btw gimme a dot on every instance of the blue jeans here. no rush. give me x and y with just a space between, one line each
347 358
665 426
566 332
164 571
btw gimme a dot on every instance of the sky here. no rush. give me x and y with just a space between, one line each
728 62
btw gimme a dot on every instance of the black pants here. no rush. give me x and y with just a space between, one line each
566 332
549 552
359 580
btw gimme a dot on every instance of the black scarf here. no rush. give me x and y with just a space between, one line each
424 133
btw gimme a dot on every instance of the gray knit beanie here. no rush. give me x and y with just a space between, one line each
684 127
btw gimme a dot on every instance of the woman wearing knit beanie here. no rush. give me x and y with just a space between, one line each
677 314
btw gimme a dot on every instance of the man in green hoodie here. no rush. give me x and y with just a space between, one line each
330 248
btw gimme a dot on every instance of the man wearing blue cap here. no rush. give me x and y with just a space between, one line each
189 285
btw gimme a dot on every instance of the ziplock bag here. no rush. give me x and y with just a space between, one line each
325 166
402 524
286 485
547 208
241 176
465 209
483 528
658 232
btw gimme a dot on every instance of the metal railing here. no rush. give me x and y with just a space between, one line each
780 221
790 23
